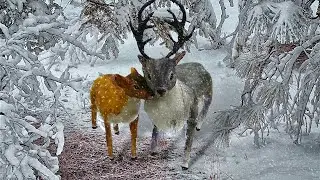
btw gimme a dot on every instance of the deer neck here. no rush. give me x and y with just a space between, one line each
170 110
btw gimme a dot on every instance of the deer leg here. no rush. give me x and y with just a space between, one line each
93 115
191 127
134 132
108 138
190 133
154 140
116 129
207 101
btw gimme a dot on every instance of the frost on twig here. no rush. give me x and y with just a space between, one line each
23 157
265 23
107 24
283 22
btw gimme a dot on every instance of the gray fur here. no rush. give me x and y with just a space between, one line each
197 86
195 76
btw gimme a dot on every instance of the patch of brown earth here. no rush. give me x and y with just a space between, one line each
85 157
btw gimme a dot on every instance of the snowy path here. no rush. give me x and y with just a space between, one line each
279 159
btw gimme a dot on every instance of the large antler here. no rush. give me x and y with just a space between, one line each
179 26
142 25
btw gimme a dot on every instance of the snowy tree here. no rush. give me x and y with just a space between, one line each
108 22
276 51
29 92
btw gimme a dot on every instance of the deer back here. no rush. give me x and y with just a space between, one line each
196 77
107 95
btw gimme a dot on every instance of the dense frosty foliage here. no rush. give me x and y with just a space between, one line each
24 143
29 92
276 51
107 22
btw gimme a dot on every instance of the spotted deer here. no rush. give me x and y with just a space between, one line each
117 98
182 92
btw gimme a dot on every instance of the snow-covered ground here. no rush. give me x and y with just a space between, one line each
278 159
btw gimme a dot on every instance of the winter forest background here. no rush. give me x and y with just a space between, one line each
267 52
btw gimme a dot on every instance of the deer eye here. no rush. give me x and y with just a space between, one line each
136 87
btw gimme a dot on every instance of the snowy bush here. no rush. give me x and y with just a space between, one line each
276 52
29 92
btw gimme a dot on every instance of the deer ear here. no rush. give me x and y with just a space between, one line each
142 60
134 71
121 81
179 56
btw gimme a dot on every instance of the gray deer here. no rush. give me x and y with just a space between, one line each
183 92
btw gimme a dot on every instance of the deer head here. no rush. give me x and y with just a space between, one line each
134 85
160 73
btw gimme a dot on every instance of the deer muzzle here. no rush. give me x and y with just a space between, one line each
161 91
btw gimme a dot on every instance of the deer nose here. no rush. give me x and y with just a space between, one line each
161 92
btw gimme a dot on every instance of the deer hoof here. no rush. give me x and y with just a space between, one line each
117 133
94 127
111 158
134 158
185 165
198 129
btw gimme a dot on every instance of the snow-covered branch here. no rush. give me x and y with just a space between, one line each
279 61
29 92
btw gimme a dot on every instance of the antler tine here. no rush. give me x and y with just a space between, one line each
144 7
179 27
142 25
184 14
